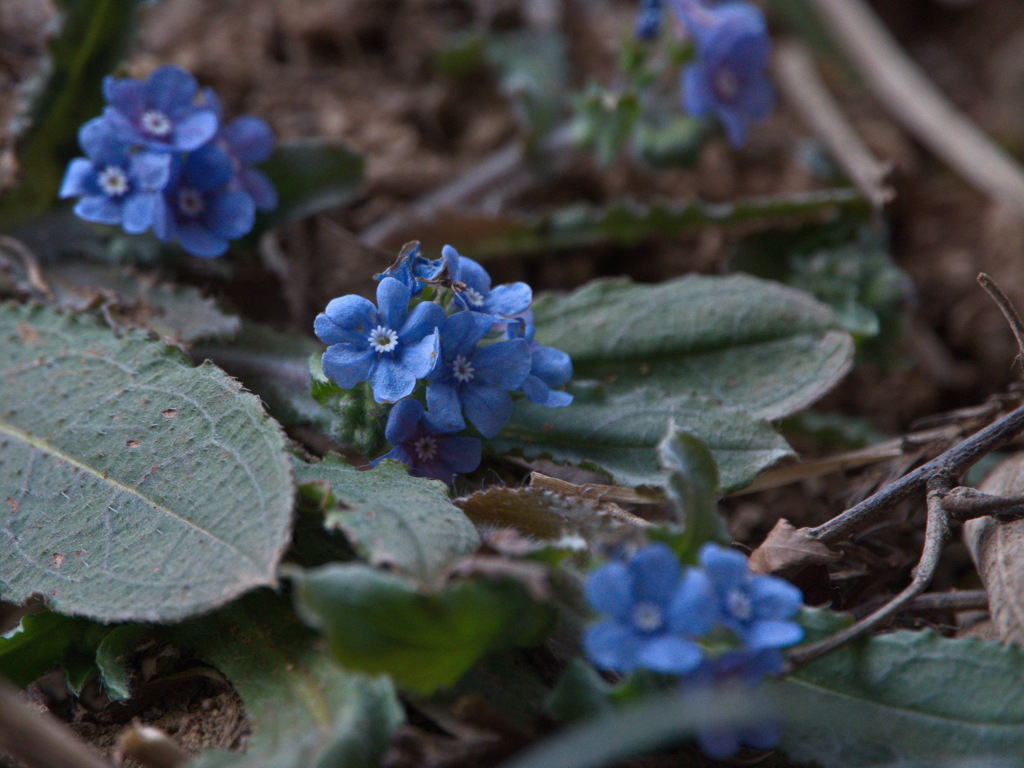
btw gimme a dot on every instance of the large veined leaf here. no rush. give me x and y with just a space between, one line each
136 487
306 711
748 343
393 519
619 434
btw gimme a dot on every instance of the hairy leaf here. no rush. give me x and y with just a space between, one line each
618 434
378 622
135 487
748 343
393 519
306 711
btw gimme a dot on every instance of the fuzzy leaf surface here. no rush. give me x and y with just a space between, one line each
136 487
306 711
393 519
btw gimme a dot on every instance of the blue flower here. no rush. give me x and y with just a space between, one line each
247 140
161 112
387 345
475 292
200 210
426 445
476 379
115 186
648 19
729 77
756 609
654 609
549 367
411 268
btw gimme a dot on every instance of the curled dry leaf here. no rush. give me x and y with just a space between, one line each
998 551
789 547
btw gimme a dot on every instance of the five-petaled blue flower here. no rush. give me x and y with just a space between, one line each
549 367
476 379
387 345
729 78
162 112
200 208
654 610
426 444
115 186
756 609
474 292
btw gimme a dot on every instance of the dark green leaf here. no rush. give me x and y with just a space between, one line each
581 692
393 519
112 657
378 622
305 710
38 644
137 487
693 488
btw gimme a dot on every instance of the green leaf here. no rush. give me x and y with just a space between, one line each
393 519
94 36
306 712
112 656
136 487
534 70
619 434
38 644
693 489
907 698
745 342
581 692
378 622
310 176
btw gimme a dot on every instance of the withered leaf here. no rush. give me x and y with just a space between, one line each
789 547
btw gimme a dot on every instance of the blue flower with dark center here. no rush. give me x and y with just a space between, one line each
115 186
200 210
549 367
412 269
161 112
729 77
476 379
387 345
654 611
474 292
756 609
426 444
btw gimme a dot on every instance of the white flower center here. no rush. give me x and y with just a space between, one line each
190 201
113 181
462 369
473 296
383 339
647 616
727 85
426 447
738 604
156 123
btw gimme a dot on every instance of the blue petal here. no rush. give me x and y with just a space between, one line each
207 169
393 302
125 95
233 214
164 225
138 212
259 187
504 364
773 634
719 744
550 365
193 131
611 646
346 366
390 380
735 123
725 568
200 241
488 408
351 314
757 98
99 209
398 453
698 98
250 139
670 655
445 405
774 598
152 171
420 358
170 88
460 333
693 609
102 143
609 590
425 318
655 570
461 454
764 736
403 421
508 300
77 178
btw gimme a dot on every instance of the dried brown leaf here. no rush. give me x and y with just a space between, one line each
789 547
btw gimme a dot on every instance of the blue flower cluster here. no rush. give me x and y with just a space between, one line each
729 77
470 346
161 157
710 625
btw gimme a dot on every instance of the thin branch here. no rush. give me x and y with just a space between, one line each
798 78
952 463
916 103
38 740
956 600
936 529
1006 307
